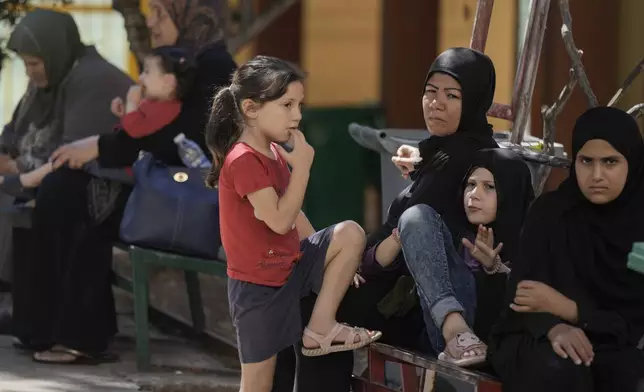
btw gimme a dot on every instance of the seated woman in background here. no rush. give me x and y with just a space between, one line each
460 288
194 26
577 311
457 93
67 98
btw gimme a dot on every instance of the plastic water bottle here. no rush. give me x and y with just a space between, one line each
190 153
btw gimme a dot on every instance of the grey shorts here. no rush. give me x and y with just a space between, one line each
268 318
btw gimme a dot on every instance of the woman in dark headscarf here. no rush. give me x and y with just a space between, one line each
68 97
457 94
59 105
196 25
577 311
459 89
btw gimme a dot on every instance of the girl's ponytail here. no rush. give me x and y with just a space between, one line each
222 131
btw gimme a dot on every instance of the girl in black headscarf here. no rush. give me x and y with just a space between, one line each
577 312
460 287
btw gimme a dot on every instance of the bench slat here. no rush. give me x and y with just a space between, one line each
170 260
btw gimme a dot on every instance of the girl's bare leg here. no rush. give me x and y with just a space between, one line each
258 377
342 260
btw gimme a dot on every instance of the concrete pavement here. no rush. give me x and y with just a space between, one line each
179 365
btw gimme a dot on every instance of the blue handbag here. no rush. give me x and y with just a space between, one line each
171 209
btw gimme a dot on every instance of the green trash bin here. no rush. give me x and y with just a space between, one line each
345 177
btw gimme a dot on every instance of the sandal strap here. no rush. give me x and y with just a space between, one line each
362 333
325 341
351 336
69 351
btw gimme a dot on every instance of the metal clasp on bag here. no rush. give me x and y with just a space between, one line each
180 177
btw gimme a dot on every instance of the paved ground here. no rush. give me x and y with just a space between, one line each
203 372
178 365
19 373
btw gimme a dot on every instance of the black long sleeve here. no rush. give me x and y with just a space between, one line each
605 326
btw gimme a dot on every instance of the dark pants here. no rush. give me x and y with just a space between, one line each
529 366
63 268
314 374
444 282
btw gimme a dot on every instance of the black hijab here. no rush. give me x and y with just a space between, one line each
581 248
514 191
446 159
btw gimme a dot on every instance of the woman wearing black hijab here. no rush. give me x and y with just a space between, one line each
577 311
457 93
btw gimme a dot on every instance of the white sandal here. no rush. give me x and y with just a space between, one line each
457 347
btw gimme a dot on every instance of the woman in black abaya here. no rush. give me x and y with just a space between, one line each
577 311
457 93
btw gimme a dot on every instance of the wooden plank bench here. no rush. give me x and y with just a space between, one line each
417 373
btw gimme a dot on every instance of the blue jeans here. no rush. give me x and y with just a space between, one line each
443 281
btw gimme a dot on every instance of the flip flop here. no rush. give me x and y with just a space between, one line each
67 356
327 344
457 347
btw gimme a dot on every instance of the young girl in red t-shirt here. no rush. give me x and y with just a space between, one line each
275 257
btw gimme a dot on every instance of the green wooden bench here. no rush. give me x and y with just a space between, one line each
142 261
636 257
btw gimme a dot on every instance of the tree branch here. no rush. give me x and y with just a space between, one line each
637 110
540 158
627 83
549 116
573 53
